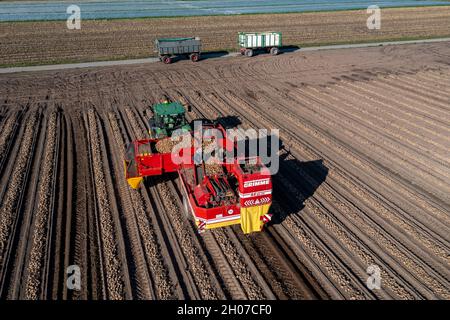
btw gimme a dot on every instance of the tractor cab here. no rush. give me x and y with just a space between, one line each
168 117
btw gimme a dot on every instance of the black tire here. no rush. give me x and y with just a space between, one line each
204 121
194 57
249 52
151 130
152 133
167 60
186 210
274 51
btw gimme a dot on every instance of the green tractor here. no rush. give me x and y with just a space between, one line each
168 117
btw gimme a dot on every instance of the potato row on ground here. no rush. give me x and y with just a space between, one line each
363 180
51 42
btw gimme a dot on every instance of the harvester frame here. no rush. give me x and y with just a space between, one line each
240 194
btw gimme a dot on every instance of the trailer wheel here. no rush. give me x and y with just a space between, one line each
167 60
274 51
242 51
194 57
249 52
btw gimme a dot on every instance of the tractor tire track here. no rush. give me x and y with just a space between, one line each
142 233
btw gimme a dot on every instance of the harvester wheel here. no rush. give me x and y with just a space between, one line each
274 51
167 60
194 57
249 52
186 207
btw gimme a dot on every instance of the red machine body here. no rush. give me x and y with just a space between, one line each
240 193
143 160
254 180
209 199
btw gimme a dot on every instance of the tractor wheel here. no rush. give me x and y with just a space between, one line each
249 52
274 51
194 57
167 59
204 121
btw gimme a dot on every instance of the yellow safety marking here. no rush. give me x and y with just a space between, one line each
222 224
134 182
251 218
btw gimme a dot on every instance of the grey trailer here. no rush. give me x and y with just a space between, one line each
168 48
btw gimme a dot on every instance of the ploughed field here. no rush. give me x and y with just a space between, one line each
48 42
364 179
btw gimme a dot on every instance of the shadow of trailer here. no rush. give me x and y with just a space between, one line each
170 48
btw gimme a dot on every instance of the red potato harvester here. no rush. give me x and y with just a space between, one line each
239 193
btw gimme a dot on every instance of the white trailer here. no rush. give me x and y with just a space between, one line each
250 41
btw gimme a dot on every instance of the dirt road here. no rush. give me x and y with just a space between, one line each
207 56
364 179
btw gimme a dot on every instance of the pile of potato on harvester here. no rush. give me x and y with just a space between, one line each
216 193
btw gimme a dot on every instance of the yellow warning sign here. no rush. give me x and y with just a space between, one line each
251 218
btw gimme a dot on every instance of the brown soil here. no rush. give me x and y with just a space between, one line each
364 179
52 42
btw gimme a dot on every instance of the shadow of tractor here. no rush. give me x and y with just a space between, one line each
228 122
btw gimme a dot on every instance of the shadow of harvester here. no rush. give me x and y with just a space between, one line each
293 183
